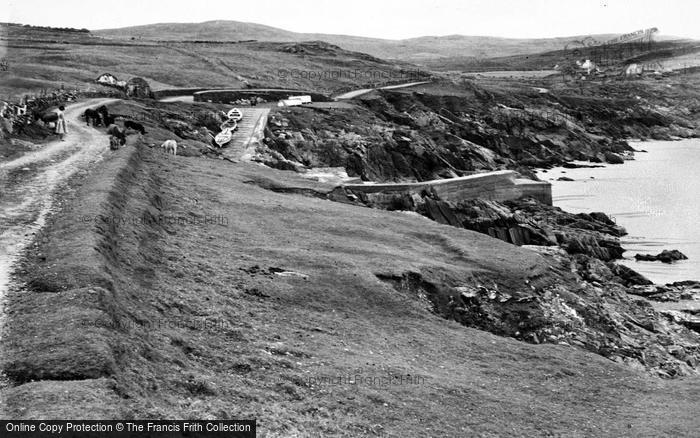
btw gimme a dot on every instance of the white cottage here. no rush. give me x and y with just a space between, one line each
633 69
107 79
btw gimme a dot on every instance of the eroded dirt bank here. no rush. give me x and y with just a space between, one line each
198 293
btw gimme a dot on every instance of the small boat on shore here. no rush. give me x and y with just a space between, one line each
229 124
224 137
235 114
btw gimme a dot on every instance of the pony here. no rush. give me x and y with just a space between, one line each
114 142
130 124
46 117
103 112
91 114
115 131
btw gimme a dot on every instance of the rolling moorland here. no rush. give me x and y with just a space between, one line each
293 308
679 53
41 59
414 50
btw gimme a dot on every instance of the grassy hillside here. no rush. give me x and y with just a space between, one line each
411 49
40 58
189 287
679 51
187 319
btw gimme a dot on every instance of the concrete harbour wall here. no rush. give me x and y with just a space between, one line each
502 185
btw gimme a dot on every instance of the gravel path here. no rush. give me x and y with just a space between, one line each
29 183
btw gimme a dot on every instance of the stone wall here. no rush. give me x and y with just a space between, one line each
270 94
171 92
502 185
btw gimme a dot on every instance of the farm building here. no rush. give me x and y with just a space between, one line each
633 69
107 79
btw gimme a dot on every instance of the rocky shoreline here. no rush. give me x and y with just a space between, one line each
461 129
447 129
428 134
599 305
594 303
665 256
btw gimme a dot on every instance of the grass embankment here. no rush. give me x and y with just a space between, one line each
196 318
50 343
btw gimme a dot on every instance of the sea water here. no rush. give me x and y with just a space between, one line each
656 197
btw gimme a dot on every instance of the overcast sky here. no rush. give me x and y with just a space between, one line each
392 19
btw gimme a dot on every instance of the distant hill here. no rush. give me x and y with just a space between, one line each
44 58
413 49
671 54
210 30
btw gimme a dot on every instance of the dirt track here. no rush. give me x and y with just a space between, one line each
30 181
357 93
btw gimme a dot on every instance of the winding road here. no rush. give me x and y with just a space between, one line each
28 185
250 129
356 93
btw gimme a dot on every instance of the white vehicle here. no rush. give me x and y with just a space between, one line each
303 99
289 102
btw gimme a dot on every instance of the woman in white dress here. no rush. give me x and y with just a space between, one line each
61 123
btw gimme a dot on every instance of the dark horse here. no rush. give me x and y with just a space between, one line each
130 124
91 114
99 116
46 117
115 131
103 112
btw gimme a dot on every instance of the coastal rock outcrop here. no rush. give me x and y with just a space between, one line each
682 290
453 128
629 276
521 222
664 256
606 321
687 318
613 158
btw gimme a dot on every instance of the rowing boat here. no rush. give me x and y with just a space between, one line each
224 137
235 114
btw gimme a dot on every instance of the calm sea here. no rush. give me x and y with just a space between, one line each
656 198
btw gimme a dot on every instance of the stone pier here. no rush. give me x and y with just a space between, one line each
502 185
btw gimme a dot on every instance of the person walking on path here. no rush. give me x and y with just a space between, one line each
61 123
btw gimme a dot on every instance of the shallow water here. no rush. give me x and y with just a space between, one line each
655 197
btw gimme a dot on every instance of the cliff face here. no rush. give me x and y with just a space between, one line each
446 129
